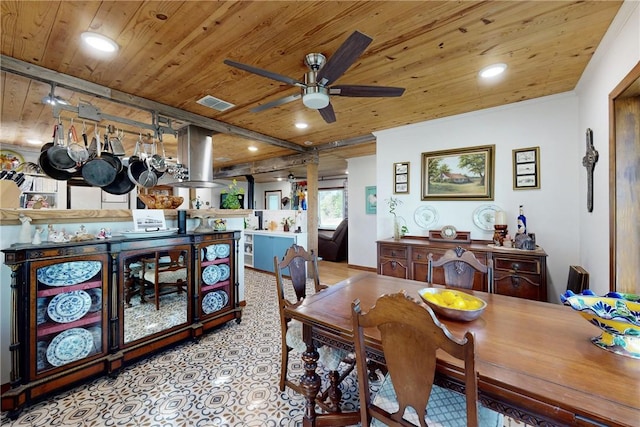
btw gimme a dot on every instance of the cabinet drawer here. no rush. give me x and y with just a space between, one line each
421 254
517 265
518 285
393 268
389 251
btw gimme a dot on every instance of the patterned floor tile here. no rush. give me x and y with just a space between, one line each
229 378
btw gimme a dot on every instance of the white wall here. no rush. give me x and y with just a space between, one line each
616 55
552 211
362 239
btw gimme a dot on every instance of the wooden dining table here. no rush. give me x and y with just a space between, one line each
535 360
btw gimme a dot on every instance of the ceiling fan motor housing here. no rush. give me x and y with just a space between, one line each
313 95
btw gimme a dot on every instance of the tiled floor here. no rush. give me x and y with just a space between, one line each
229 378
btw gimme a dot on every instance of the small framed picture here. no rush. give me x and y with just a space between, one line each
401 178
370 200
526 168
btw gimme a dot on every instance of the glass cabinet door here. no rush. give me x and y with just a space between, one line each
216 278
155 290
68 312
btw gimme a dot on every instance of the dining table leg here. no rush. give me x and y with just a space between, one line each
310 381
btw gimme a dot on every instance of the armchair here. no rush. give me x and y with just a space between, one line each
334 248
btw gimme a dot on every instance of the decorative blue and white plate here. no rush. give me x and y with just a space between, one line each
214 301
210 252
41 310
211 274
70 345
224 271
222 250
96 299
68 273
69 306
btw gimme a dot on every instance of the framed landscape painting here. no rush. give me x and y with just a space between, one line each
458 174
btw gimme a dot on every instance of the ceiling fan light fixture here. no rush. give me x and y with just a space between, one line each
315 100
99 42
492 70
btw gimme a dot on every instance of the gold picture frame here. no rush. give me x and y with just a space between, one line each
401 178
459 174
526 168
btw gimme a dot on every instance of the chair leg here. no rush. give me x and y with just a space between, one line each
284 367
156 289
335 394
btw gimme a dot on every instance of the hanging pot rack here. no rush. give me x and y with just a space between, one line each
159 125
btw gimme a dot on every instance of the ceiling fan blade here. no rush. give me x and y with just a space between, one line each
328 114
344 57
265 73
366 91
276 102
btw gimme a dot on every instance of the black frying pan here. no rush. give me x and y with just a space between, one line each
50 171
121 184
98 171
58 154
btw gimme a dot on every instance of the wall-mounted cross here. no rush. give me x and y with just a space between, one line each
589 161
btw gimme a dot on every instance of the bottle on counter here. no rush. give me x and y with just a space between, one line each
522 222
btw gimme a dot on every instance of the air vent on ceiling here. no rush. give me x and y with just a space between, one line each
215 103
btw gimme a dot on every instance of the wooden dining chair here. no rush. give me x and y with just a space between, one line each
166 272
411 334
300 265
460 267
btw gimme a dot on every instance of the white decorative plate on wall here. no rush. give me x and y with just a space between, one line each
484 217
426 217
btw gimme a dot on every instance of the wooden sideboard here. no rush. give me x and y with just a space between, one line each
517 272
81 309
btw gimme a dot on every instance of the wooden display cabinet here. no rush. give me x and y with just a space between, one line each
83 309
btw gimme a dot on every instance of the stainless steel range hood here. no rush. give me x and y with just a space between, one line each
195 152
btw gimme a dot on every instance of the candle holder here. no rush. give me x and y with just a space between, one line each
499 234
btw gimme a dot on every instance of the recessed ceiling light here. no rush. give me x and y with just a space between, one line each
34 141
308 143
252 148
279 178
492 70
301 125
99 42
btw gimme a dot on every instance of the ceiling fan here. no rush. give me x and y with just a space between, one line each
315 89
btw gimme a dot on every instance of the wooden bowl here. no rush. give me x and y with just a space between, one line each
157 201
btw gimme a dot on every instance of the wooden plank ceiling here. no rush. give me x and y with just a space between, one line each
172 52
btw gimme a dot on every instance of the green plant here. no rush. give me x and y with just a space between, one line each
393 203
287 221
232 201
